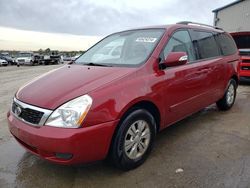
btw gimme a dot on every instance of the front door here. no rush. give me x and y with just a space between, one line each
184 85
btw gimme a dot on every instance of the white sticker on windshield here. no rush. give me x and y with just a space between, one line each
146 39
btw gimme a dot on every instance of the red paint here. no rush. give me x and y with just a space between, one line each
86 144
245 60
177 92
173 59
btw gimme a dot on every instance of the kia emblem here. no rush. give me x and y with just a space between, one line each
18 110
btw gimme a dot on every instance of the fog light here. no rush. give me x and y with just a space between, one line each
64 156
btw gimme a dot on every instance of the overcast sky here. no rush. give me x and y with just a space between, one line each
94 17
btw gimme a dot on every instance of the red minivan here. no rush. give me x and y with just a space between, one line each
114 99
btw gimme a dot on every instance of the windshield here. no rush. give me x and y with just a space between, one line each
24 55
4 54
128 48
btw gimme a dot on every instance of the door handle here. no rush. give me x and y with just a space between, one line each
204 71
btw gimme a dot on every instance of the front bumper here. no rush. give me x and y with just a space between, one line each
244 75
84 145
4 64
245 78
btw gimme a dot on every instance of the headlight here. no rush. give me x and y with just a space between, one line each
70 114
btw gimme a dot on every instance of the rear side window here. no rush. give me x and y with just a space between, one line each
226 44
205 44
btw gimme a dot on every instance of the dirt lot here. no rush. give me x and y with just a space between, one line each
212 148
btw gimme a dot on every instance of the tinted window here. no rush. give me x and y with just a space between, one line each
242 41
205 44
180 42
226 44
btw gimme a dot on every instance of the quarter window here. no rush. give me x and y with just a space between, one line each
180 42
226 44
205 44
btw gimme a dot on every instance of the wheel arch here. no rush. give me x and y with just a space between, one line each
235 77
143 104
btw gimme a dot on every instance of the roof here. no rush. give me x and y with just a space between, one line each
182 24
228 5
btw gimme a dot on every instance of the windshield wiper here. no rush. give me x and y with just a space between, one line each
97 64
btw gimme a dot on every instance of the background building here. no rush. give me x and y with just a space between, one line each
234 17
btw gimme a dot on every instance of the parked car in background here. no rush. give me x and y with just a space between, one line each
53 58
67 59
38 59
7 57
114 106
75 57
3 62
242 40
25 58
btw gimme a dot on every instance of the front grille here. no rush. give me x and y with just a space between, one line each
20 60
245 68
245 60
30 114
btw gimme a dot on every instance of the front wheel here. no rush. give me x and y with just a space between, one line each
229 97
133 141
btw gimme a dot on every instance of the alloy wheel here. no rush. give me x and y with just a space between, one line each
137 139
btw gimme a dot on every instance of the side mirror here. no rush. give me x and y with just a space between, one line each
175 59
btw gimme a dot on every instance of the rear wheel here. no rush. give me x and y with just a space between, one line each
229 97
133 140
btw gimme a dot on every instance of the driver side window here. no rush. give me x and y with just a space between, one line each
180 41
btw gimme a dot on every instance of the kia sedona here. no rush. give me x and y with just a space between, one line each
111 102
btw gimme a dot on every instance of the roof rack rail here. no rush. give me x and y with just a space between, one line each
199 24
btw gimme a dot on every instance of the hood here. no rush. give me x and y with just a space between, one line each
61 85
8 58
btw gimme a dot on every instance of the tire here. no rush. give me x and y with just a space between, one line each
229 97
138 129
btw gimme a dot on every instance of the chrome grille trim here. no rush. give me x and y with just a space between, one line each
46 113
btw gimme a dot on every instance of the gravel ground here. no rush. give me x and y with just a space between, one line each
209 149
